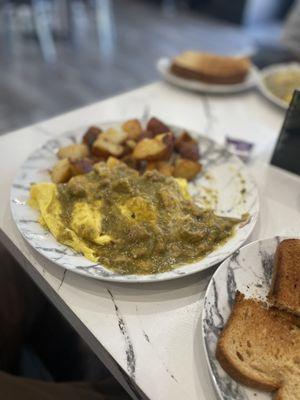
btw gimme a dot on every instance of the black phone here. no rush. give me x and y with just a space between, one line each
286 154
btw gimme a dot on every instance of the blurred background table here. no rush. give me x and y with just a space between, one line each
149 335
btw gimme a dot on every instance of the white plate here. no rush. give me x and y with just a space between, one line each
163 67
225 178
267 72
248 270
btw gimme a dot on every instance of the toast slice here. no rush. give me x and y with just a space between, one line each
210 68
285 289
260 347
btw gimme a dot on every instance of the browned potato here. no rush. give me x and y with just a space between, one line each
187 147
133 128
78 150
61 171
131 144
80 166
114 136
145 135
156 126
103 148
156 149
189 150
165 168
167 138
91 135
186 169
184 137
151 166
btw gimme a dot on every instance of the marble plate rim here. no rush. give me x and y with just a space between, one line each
151 278
163 64
254 242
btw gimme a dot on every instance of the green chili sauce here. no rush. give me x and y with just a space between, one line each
160 231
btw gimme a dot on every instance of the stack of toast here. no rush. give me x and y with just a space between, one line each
210 68
260 344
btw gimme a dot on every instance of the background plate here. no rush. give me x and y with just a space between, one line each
268 71
224 185
248 270
163 67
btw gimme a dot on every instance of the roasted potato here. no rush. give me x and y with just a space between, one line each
159 148
184 137
78 150
80 166
91 135
61 171
131 144
189 151
133 128
186 169
151 166
145 135
165 168
187 147
156 126
114 135
103 148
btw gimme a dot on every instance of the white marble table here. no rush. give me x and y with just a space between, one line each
149 335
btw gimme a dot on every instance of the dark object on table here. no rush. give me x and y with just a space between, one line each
287 150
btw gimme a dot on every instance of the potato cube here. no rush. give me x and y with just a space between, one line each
184 137
165 168
61 171
80 166
91 135
103 148
156 126
131 144
133 128
78 150
159 148
186 169
113 135
145 135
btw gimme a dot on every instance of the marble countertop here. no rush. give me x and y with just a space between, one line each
149 335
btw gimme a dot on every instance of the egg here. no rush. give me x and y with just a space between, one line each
84 228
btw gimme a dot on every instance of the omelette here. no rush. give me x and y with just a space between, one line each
130 223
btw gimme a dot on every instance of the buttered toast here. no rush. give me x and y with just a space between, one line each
260 348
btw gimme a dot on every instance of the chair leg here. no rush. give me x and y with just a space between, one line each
7 21
43 30
105 26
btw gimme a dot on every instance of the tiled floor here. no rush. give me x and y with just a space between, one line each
31 91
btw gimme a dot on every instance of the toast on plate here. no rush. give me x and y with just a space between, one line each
285 289
260 347
210 68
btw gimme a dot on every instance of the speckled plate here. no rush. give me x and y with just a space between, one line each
163 67
248 270
224 186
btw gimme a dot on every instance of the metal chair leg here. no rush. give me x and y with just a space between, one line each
7 22
105 26
43 30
